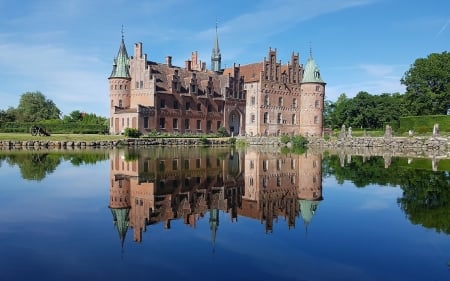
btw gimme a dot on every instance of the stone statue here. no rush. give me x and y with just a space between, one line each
342 134
436 130
388 132
349 132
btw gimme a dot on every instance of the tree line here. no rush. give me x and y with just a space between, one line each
427 93
34 107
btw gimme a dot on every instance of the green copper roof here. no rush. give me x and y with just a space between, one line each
307 209
311 73
121 221
121 63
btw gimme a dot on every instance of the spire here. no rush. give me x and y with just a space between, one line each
121 62
121 221
213 225
215 56
311 73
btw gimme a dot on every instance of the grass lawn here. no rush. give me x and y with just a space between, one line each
59 137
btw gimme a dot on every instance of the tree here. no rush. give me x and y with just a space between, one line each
33 107
428 85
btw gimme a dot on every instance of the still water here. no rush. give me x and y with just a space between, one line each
222 214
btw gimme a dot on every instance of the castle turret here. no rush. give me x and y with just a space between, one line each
216 57
120 80
312 100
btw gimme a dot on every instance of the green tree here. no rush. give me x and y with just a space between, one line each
33 107
428 85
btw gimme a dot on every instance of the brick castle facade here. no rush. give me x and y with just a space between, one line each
260 99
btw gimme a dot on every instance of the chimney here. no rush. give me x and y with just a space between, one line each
169 61
188 65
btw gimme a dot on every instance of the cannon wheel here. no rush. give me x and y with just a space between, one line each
34 130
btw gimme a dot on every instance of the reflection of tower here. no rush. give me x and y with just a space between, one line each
213 225
310 185
119 203
130 191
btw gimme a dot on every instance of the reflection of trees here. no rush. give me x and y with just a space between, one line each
426 194
36 165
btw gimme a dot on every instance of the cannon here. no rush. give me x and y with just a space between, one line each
38 131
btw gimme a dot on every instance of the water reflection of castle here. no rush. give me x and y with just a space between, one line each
164 184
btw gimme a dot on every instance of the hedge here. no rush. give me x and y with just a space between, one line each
424 124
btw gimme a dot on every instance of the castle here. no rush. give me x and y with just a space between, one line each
259 99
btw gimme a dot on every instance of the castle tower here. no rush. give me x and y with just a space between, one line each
216 58
119 81
311 100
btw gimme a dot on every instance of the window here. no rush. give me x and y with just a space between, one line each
162 123
186 164
209 108
280 101
145 122
317 104
279 118
199 124
162 103
208 125
141 84
266 100
162 165
294 119
252 100
186 124
252 118
278 181
120 103
252 164
278 164
318 88
294 102
175 123
199 107
266 117
197 163
175 164
316 120
175 104
188 105
219 124
265 165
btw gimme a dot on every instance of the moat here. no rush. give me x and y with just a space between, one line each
195 213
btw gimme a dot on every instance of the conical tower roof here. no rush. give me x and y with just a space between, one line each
312 72
121 63
121 221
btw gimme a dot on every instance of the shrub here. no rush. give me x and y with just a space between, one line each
222 132
132 133
285 139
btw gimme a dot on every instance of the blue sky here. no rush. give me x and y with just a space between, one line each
65 49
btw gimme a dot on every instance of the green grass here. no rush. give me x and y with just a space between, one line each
59 137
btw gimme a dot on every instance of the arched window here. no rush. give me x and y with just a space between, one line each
294 119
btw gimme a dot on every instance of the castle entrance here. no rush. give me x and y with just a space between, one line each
235 123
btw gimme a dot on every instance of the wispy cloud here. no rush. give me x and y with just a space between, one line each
443 28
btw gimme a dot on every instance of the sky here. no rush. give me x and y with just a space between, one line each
65 49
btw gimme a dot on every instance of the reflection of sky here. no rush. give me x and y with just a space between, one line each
61 229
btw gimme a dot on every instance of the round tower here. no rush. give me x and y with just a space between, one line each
311 100
119 83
